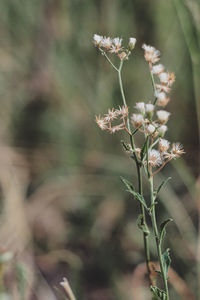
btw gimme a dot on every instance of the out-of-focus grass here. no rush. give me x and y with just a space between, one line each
63 209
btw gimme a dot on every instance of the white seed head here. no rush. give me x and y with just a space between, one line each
132 42
164 77
162 98
117 42
122 111
111 115
163 145
162 129
140 106
149 108
154 158
150 129
106 42
163 116
148 48
157 69
101 122
97 39
137 120
177 149
162 88
116 45
151 54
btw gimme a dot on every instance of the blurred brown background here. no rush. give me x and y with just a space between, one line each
64 211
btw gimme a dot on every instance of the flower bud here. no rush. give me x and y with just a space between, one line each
140 106
163 116
132 42
161 130
137 120
163 145
149 108
150 129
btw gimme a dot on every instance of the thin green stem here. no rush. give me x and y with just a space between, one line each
157 239
108 59
122 90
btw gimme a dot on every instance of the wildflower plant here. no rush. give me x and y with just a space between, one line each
149 120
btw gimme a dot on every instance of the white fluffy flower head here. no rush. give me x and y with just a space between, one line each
140 106
163 145
162 98
157 69
163 116
149 108
150 129
151 54
154 158
97 40
137 120
162 129
106 42
117 42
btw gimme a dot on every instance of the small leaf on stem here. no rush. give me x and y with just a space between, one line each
162 228
162 184
131 190
166 261
158 294
142 225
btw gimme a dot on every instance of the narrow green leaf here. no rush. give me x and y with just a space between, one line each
127 183
140 198
126 146
131 190
142 225
166 261
162 184
160 273
162 228
158 294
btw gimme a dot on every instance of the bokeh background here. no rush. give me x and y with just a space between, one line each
63 209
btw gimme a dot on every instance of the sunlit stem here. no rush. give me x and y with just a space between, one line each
138 165
122 90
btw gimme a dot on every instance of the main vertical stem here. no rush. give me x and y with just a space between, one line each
140 188
156 234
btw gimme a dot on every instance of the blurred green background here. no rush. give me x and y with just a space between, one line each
64 211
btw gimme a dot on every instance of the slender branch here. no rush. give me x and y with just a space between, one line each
122 90
108 59
161 167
